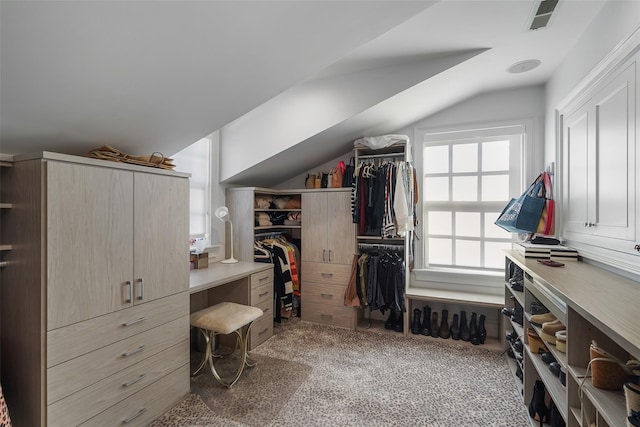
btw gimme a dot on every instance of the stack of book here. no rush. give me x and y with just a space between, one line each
555 252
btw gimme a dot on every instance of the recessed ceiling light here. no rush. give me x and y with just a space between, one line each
524 66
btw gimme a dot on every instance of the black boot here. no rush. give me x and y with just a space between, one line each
426 322
399 325
391 320
464 328
444 325
455 329
537 405
435 330
482 331
555 419
416 326
473 330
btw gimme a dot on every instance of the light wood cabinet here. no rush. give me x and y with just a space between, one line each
600 182
98 284
593 304
328 247
328 234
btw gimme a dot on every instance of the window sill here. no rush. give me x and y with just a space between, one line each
460 280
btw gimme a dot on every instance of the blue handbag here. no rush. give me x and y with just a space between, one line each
522 215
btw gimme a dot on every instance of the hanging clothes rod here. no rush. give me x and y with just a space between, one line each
272 234
395 247
374 156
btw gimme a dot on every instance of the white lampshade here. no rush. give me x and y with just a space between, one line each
222 213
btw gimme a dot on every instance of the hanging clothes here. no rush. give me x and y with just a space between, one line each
381 276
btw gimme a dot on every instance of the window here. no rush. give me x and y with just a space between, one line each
468 178
196 160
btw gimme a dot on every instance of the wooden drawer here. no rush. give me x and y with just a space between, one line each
266 306
262 278
75 374
90 401
321 293
261 294
328 314
335 274
142 408
261 330
80 338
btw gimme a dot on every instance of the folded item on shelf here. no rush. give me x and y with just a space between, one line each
156 159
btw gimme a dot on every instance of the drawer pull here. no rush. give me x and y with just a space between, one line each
327 274
326 295
329 316
140 412
329 255
263 331
133 322
263 294
263 278
136 381
266 310
132 352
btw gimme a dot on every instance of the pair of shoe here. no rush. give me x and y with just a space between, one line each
394 321
549 330
536 345
561 340
632 398
539 319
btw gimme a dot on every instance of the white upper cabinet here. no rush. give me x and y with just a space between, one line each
600 160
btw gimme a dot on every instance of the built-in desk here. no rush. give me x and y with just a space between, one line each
244 282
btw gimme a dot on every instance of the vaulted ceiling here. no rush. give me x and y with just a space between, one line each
288 82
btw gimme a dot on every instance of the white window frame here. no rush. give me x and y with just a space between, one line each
463 278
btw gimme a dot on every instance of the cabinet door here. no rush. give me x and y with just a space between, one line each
314 229
576 143
614 151
161 236
89 213
341 230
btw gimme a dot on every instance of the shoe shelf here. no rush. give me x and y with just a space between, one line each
609 404
560 357
513 367
552 383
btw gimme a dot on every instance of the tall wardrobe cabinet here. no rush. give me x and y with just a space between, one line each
94 303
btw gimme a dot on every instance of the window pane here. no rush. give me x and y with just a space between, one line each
436 159
468 253
465 188
468 224
436 189
491 230
440 223
495 188
493 255
440 251
495 156
465 158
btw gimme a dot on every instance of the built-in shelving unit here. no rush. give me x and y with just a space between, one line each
594 305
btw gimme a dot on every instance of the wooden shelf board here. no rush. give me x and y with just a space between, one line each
6 247
6 205
272 227
441 295
519 295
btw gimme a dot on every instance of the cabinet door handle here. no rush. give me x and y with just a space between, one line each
326 274
326 295
141 296
329 255
133 322
263 278
140 412
132 352
637 248
136 381
263 331
324 253
330 316
263 294
128 283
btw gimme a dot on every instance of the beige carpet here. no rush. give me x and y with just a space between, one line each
314 375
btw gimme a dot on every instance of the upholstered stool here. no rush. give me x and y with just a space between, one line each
223 319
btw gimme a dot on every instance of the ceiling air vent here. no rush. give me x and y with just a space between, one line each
543 14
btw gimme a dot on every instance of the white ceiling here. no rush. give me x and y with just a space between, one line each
149 76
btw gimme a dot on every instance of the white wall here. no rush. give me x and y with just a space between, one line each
615 22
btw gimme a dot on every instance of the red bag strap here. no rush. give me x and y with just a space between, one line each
548 187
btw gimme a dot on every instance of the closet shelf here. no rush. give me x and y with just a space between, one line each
609 404
561 357
6 205
6 247
272 227
552 383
